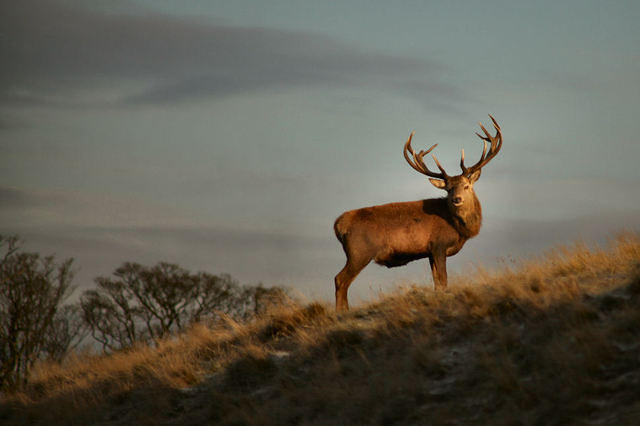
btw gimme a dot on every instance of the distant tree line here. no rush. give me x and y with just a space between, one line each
136 304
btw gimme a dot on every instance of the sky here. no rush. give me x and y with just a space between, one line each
228 136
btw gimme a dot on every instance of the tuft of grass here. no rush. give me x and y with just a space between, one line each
552 340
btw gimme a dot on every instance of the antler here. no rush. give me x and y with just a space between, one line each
496 144
418 162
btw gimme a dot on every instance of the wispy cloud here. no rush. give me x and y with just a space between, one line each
46 208
12 198
56 53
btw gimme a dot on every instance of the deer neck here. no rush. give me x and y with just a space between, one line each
468 220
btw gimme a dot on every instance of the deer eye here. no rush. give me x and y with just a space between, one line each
466 187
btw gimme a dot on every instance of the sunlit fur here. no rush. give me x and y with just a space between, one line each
397 233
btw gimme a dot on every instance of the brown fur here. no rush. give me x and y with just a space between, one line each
397 233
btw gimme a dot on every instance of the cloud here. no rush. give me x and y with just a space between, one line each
8 124
14 198
55 53
18 200
47 208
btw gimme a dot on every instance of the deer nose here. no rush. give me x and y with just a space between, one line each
457 201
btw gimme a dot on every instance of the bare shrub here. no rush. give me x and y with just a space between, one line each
142 304
33 324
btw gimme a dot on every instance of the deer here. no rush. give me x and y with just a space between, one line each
395 234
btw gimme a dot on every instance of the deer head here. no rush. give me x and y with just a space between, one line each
459 188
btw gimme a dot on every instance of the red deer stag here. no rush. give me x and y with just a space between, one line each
397 233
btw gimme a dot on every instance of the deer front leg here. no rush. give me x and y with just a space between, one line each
438 262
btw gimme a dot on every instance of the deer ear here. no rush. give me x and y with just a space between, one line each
475 176
440 184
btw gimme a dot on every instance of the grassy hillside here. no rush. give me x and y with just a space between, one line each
554 340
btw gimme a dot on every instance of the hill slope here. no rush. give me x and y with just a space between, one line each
550 341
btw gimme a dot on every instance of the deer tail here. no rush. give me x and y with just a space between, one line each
340 227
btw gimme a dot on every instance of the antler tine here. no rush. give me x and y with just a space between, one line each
408 148
418 162
496 144
439 166
464 169
488 135
484 150
495 123
498 132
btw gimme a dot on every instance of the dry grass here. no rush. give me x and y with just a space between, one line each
554 340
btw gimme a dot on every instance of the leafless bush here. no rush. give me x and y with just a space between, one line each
33 324
141 304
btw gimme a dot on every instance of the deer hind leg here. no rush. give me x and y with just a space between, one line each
438 264
344 278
